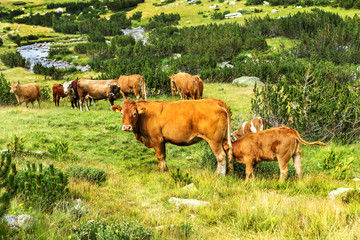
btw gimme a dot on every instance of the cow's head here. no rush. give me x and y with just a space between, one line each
67 87
14 87
130 114
114 89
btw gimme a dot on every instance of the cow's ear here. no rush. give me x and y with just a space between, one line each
9 85
141 110
115 108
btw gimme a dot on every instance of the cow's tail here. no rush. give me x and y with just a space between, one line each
143 87
228 144
297 135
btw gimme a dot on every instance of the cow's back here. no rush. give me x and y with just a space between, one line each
128 83
94 88
267 144
30 91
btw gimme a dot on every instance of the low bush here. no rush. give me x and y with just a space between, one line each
181 179
13 59
42 187
17 145
6 98
105 229
90 174
122 40
136 16
46 93
352 196
8 186
163 20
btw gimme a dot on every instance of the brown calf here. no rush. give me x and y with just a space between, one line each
275 144
256 125
57 92
26 93
186 85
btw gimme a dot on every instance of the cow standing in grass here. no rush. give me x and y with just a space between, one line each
275 144
58 92
70 88
182 123
186 85
94 89
133 83
26 93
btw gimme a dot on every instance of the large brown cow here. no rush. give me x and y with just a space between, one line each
186 85
26 93
93 89
134 83
57 92
182 123
255 125
275 144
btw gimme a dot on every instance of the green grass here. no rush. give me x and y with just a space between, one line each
260 209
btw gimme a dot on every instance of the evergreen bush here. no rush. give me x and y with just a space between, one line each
7 184
42 187
13 59
6 98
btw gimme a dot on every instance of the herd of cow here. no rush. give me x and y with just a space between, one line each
182 123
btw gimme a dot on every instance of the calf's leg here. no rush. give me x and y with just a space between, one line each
283 164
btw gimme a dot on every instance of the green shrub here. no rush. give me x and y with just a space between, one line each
19 3
90 174
180 178
7 184
136 16
13 59
338 164
122 40
163 20
1 42
59 150
46 93
42 187
6 98
17 145
352 196
105 229
59 51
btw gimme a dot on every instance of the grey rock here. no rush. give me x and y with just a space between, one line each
226 64
338 191
248 81
20 221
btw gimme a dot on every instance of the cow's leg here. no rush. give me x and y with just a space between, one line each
87 104
123 94
249 170
26 103
220 155
54 99
39 101
283 164
81 101
32 104
297 165
111 101
161 156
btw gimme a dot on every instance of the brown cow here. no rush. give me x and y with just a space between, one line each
280 143
256 125
57 92
186 85
93 89
26 93
182 123
134 83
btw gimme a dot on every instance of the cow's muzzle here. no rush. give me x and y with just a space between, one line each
112 94
127 128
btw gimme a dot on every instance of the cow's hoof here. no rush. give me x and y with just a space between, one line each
163 169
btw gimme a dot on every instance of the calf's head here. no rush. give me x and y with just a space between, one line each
14 87
130 114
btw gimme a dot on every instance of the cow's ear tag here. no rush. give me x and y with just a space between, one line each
117 110
140 111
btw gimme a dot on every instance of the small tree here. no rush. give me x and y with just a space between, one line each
7 184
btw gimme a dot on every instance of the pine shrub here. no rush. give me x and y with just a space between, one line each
42 187
7 184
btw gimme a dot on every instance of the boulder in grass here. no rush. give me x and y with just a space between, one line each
248 81
19 221
338 191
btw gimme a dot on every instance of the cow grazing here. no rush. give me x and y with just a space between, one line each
181 123
134 83
256 125
186 85
70 88
275 144
93 89
26 93
57 92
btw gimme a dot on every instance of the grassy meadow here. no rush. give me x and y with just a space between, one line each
260 209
